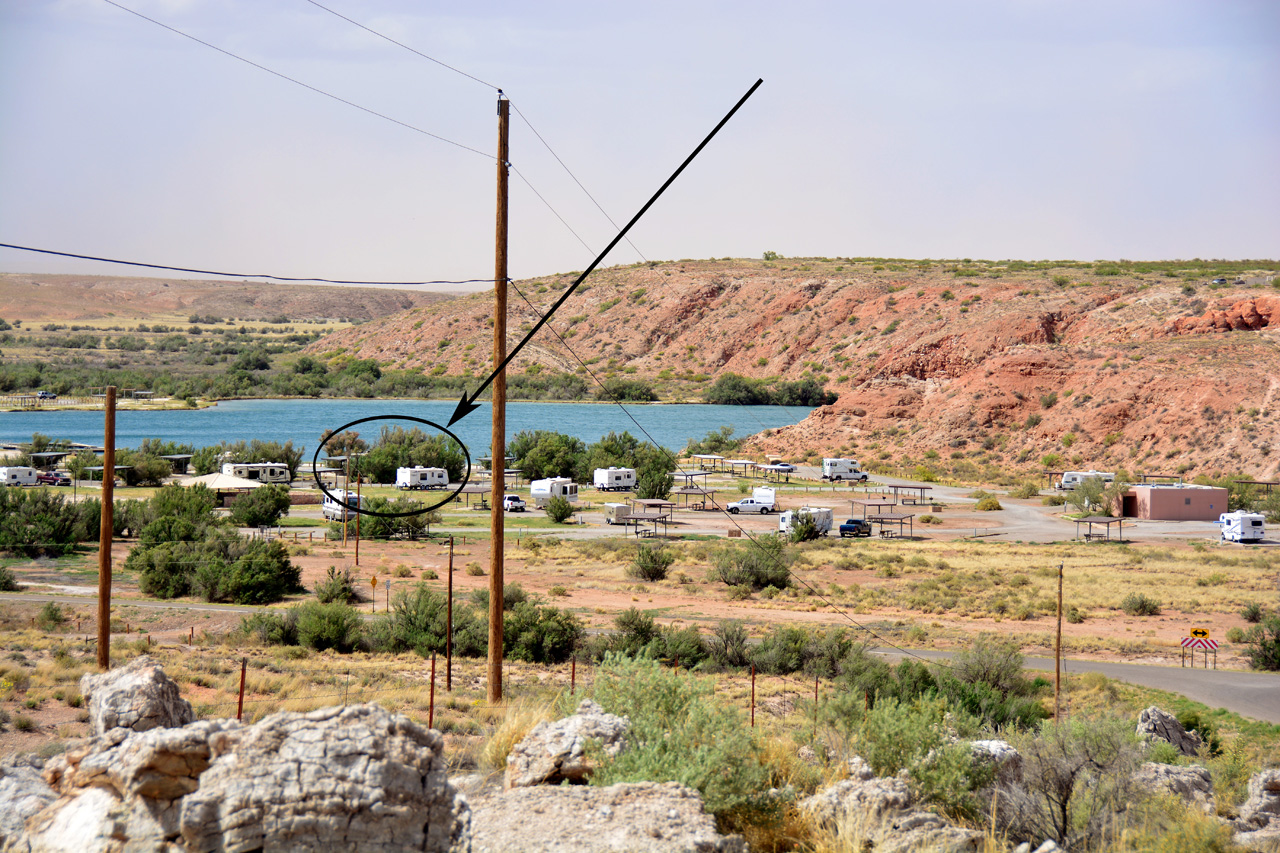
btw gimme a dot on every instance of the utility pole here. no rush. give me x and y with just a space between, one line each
498 443
105 530
1057 656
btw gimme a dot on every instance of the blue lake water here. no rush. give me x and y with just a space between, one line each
302 421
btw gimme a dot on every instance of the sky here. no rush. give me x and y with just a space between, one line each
998 129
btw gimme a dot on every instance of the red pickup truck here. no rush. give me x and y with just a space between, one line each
52 478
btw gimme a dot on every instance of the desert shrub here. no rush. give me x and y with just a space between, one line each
474 569
783 650
761 562
727 646
1138 604
539 634
322 626
1075 615
1025 491
559 509
418 620
39 522
651 563
1235 634
1053 500
988 504
1263 640
681 733
50 617
8 581
260 507
1251 612
337 586
512 595
803 528
272 628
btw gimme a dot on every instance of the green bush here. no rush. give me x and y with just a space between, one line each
51 617
8 581
260 507
761 562
418 621
651 563
1137 604
559 509
537 634
337 586
1251 612
727 646
1263 640
272 628
334 626
803 528
988 504
1025 491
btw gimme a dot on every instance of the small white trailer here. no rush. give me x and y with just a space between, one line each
613 479
17 475
1241 526
542 491
763 500
1071 480
615 513
822 518
338 503
842 469
422 478
263 472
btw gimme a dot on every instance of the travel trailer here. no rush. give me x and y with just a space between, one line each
543 491
762 500
1073 479
821 516
338 503
614 479
616 513
422 478
842 469
263 472
1241 526
17 475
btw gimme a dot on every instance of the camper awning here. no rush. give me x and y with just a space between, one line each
220 482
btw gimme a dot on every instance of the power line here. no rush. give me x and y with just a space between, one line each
556 213
297 82
234 274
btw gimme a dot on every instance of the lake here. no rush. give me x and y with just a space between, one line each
302 421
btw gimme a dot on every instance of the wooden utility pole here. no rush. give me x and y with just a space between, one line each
1057 656
498 443
448 626
105 530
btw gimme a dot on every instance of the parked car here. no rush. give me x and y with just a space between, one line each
513 503
785 467
855 527
53 478
751 505
46 395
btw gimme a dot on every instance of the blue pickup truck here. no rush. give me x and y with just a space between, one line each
855 527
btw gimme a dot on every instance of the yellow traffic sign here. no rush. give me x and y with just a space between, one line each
373 582
1199 632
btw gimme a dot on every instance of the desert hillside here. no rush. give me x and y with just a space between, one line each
39 297
955 365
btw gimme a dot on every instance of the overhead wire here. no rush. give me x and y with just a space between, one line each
238 274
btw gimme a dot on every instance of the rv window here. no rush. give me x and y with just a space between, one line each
1187 501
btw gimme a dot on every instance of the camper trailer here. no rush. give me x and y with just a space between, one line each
842 469
821 516
338 503
762 500
616 513
422 478
263 472
1241 526
614 479
1072 479
17 475
543 491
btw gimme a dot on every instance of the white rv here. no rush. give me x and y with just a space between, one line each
422 478
762 500
338 503
822 518
614 479
616 513
17 475
1241 526
842 469
543 491
1073 479
263 472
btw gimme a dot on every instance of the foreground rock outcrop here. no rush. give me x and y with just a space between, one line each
138 697
556 752
1155 724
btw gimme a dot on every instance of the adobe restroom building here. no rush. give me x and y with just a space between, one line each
1174 502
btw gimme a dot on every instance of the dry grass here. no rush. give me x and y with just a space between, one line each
517 720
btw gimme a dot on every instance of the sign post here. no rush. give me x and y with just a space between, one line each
373 584
1199 639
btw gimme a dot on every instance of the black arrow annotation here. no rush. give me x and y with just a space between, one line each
467 404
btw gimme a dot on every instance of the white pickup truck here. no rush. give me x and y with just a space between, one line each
751 505
513 503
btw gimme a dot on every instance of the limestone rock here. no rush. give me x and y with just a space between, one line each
23 793
556 751
860 770
348 778
920 830
1192 784
1263 805
138 696
1006 760
1154 723
857 799
641 817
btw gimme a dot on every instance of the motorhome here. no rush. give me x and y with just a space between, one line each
17 475
422 478
263 472
762 500
842 469
616 513
1241 526
613 479
1072 479
338 503
822 519
543 491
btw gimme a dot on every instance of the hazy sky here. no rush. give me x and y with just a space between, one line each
1021 129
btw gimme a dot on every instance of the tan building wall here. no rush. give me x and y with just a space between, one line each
1165 503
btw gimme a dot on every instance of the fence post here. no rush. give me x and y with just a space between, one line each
240 703
431 702
573 673
753 696
815 710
